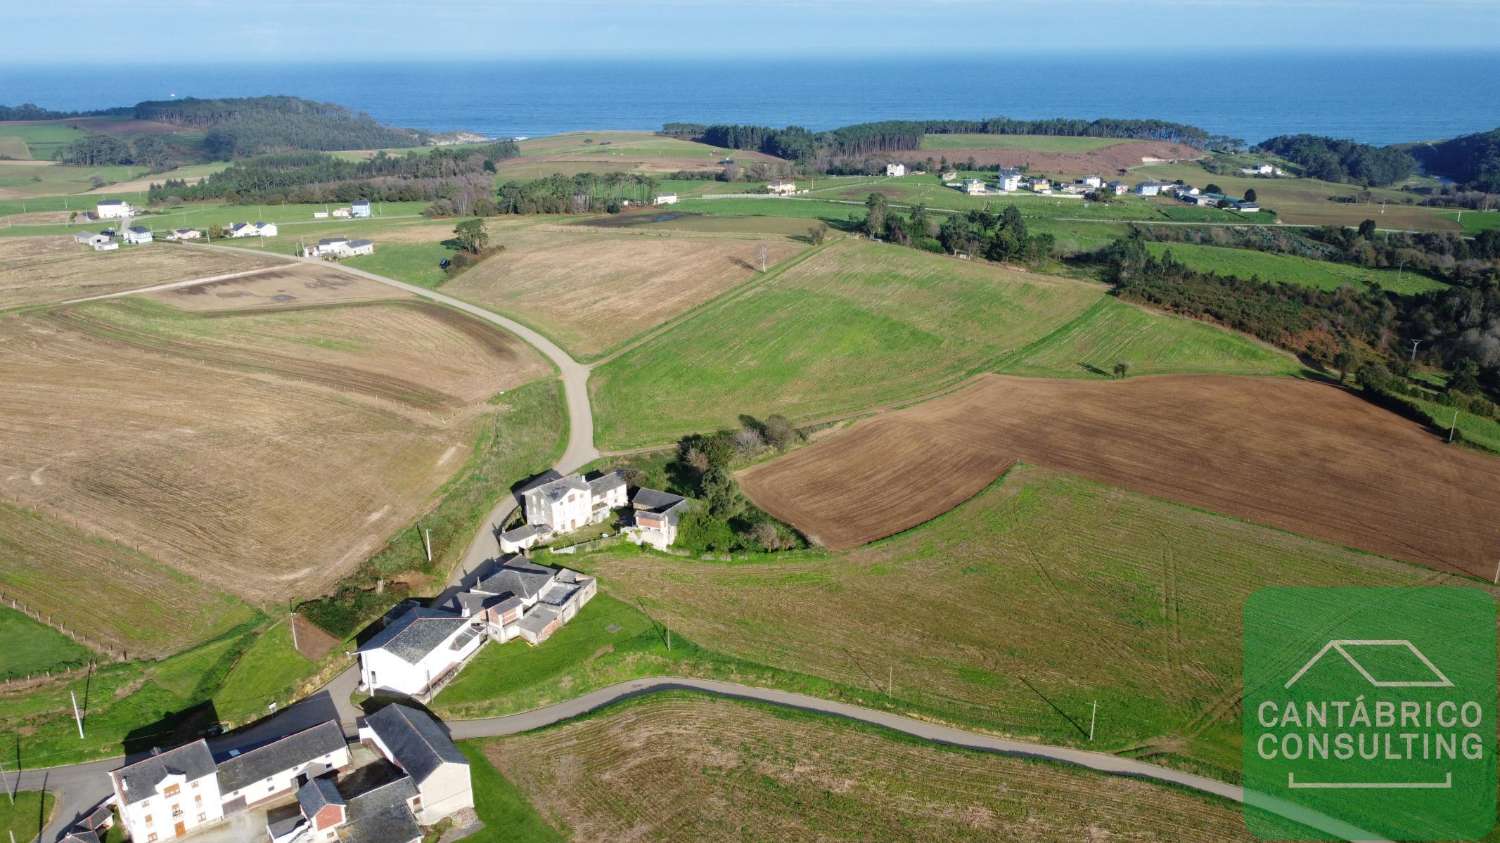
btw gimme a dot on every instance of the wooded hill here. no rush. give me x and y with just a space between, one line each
1471 160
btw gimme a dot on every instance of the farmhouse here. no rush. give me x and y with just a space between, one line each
418 651
1091 181
895 170
1118 188
974 187
1148 188
138 235
333 248
414 742
1040 185
360 209
185 234
782 187
665 199
109 209
168 794
950 175
253 229
1009 180
271 771
567 503
656 515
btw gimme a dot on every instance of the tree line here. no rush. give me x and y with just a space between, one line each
977 233
1331 159
1471 160
583 193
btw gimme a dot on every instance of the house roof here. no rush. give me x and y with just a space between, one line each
139 780
318 794
81 835
382 815
518 577
524 532
111 201
296 749
416 742
357 243
655 501
537 619
329 241
605 483
556 489
415 634
283 820
358 202
139 229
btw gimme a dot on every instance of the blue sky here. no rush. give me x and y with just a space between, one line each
209 30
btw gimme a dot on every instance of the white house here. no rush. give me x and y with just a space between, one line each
1091 181
1247 207
137 235
974 187
895 169
110 209
1117 187
267 229
656 517
168 794
253 229
104 244
360 209
418 651
320 215
666 199
339 247
782 187
272 771
414 742
1183 191
98 242
571 502
1148 188
521 599
185 234
342 213
950 175
1262 170
1009 180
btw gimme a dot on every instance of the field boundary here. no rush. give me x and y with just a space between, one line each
47 620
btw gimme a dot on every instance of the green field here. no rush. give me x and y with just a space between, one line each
269 670
26 815
621 144
1474 222
1035 143
42 141
415 263
915 322
851 327
1152 343
1293 269
1479 430
28 647
1017 610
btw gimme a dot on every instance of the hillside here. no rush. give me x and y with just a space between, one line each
1471 160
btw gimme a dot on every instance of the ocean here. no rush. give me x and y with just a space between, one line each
1371 97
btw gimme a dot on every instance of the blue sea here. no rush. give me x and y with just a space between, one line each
1377 98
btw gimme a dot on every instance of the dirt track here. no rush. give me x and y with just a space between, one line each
1297 455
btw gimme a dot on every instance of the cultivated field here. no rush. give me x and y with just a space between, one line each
592 288
1035 143
42 270
1044 590
857 325
267 452
638 152
692 768
66 574
1297 455
280 285
1292 269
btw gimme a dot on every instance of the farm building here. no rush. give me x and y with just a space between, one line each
895 170
320 215
1040 185
414 742
342 213
782 187
1185 192
253 229
137 235
950 175
112 209
665 199
1009 180
417 652
185 234
1118 188
1247 207
334 248
656 515
169 794
360 209
271 771
1091 181
98 242
1148 188
373 805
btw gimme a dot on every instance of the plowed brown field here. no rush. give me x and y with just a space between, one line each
1297 455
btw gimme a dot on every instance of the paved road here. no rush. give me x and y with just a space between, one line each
1098 761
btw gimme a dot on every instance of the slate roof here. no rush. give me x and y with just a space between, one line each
655 501
556 489
537 619
247 768
318 794
283 820
382 815
525 532
81 835
605 483
415 634
357 243
111 201
138 229
518 577
329 241
138 781
416 742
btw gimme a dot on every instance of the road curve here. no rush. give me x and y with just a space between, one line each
1100 762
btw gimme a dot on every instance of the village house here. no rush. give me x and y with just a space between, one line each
415 743
975 187
571 502
137 235
656 516
1148 188
950 175
253 229
111 209
782 187
342 213
375 805
521 599
418 651
1262 170
1118 188
665 199
1040 185
185 234
271 771
360 209
1009 180
169 794
334 248
1182 191
1091 181
895 170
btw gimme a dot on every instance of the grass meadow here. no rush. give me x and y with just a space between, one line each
28 647
1293 269
42 140
25 816
1037 143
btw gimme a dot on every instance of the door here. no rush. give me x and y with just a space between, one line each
181 828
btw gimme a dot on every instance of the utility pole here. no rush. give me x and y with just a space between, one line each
669 637
77 716
1414 344
1453 428
1497 573
1093 716
291 622
427 543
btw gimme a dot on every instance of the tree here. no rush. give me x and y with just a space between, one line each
1213 188
1465 376
472 236
1367 229
875 215
721 493
817 234
1344 360
1122 369
762 256
1250 195
779 432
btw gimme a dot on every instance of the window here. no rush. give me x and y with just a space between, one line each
173 790
148 819
202 817
195 785
176 811
197 797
